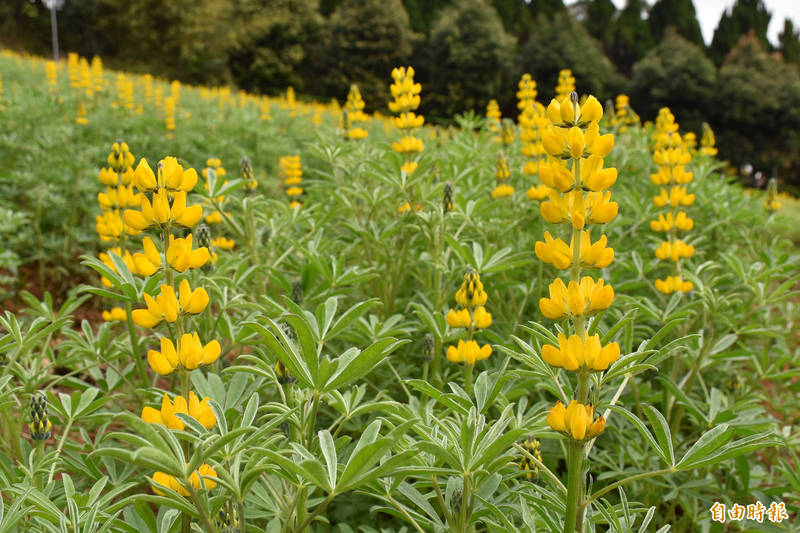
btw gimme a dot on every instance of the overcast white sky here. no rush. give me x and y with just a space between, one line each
709 12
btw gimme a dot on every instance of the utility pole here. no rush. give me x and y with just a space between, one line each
53 6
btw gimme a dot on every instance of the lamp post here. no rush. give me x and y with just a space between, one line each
53 6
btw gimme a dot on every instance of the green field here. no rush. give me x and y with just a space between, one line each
331 396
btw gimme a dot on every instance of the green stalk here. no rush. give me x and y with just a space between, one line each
321 507
574 487
468 378
64 435
137 356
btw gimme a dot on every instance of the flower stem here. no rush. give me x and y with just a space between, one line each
468 378
574 487
137 356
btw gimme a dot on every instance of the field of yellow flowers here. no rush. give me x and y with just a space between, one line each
236 313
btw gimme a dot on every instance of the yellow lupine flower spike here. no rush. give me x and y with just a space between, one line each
673 284
576 421
189 354
578 299
182 257
468 352
574 353
149 262
197 409
205 471
557 253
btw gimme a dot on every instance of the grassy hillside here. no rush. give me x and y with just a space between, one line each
323 345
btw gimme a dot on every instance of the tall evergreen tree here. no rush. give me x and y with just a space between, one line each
761 116
744 16
422 13
469 57
363 41
677 74
600 21
632 36
548 8
789 40
678 13
565 43
516 17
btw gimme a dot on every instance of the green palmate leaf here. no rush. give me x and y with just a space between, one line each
453 401
661 429
708 455
285 351
435 324
308 470
326 312
355 364
349 316
638 424
709 442
306 327
329 453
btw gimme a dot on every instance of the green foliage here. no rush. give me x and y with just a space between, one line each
565 43
677 13
354 429
362 43
754 127
789 40
422 13
675 74
468 58
516 16
600 21
272 41
632 36
745 16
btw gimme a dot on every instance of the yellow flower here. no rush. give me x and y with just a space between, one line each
406 207
223 243
481 318
161 214
199 410
458 319
673 284
149 262
576 421
407 145
471 293
668 221
214 218
671 174
674 250
671 157
562 113
357 133
677 196
409 167
108 225
557 253
574 352
167 306
502 190
205 471
468 352
537 192
115 314
408 120
189 353
578 299
181 257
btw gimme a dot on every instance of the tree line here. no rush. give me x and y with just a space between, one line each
465 52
